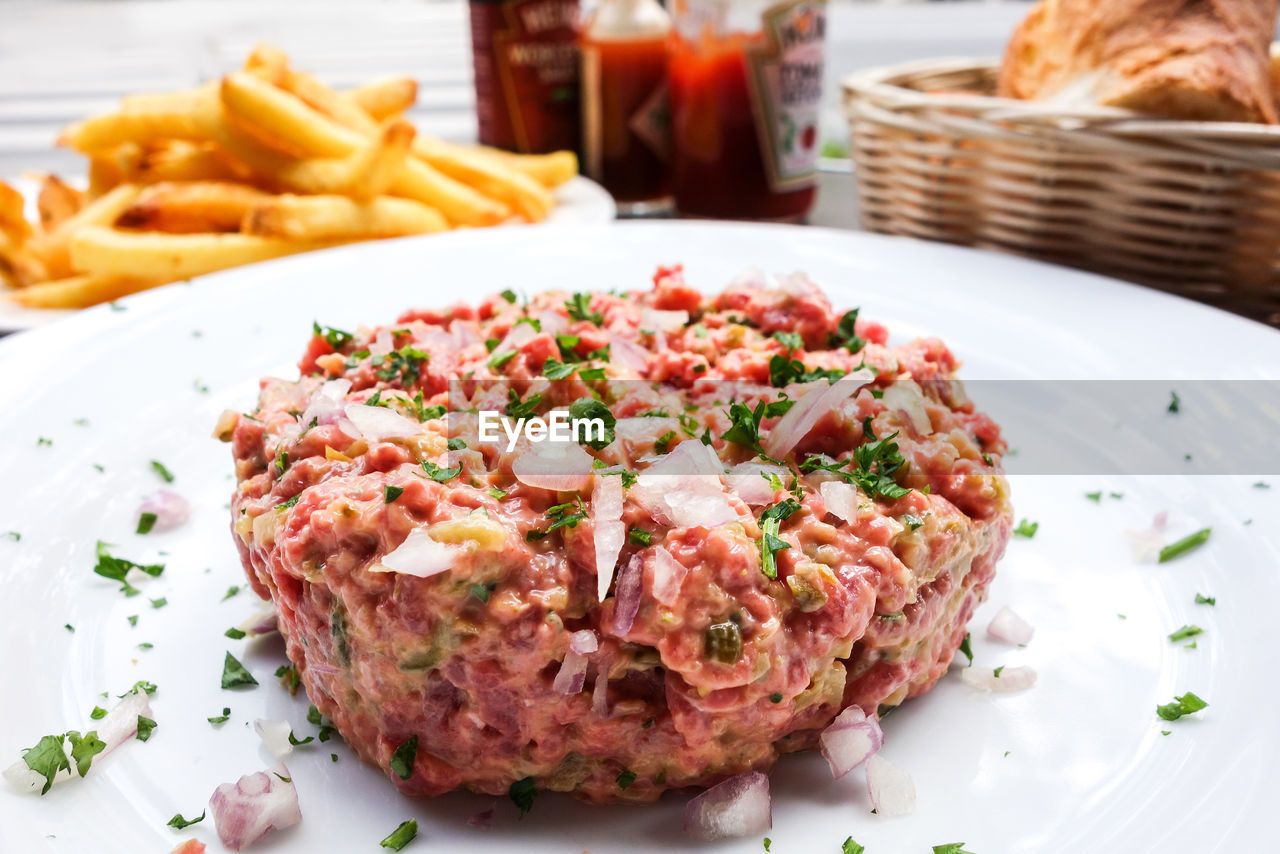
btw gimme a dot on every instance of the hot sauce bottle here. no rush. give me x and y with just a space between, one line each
746 84
625 117
525 55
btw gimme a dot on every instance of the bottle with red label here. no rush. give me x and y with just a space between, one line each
525 55
625 117
745 88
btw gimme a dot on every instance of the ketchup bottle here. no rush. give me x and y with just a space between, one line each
625 115
525 55
746 84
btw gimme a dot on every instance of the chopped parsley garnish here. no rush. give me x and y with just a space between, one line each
770 543
117 569
234 674
1026 529
391 493
231 591
579 306
997 671
43 441
13 535
519 409
222 718
912 521
141 685
401 836
165 474
775 698
317 720
133 620
457 443
522 793
663 443
790 340
285 505
590 409
497 494
98 713
639 536
404 757
688 425
951 848
159 603
1262 484
965 648
590 374
180 823
145 727
335 338
1095 497
499 359
49 756
553 370
626 778
1201 599
1185 632
440 475
146 522
872 468
784 371
1187 704
509 295
845 336
1187 544
479 591
851 847
1175 402
298 742
405 363
289 678
566 515
745 423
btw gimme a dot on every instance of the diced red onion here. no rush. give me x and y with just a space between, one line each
668 576
739 806
247 810
850 740
382 343
170 509
463 335
1008 627
801 418
118 726
627 353
841 499
658 320
262 622
608 531
275 736
572 675
628 595
560 466
1010 679
377 423
418 555
482 820
891 789
600 693
584 642
747 481
905 395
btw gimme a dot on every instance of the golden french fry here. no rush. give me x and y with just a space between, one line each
185 116
288 121
266 59
57 201
109 252
191 206
184 161
550 170
13 216
52 249
330 218
492 176
80 291
315 94
374 168
386 97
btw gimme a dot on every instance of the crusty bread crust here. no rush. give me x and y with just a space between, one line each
1181 59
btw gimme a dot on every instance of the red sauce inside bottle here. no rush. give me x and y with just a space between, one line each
627 117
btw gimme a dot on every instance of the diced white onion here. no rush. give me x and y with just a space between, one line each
905 395
739 806
377 423
658 320
608 531
627 353
553 322
668 576
806 412
891 789
747 481
1010 679
418 555
327 402
1008 627
262 622
247 810
841 499
275 736
560 466
850 740
683 488
584 642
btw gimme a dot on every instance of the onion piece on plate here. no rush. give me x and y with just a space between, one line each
608 531
559 466
891 789
1008 679
275 736
1008 627
851 739
377 423
739 806
263 621
253 806
169 508
806 412
418 555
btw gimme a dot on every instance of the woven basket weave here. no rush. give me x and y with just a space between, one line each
1188 207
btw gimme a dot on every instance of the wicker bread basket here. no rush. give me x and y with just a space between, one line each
1188 207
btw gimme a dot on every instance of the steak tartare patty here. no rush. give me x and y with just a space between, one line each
786 516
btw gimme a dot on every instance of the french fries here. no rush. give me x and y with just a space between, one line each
265 162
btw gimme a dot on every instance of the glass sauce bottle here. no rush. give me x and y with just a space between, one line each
746 84
625 117
525 56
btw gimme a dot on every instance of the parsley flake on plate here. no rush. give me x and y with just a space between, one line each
222 718
951 848
1187 544
1175 402
401 836
404 757
851 847
626 778
522 793
1187 704
160 469
234 674
145 727
1026 529
1185 632
180 823
117 569
1201 599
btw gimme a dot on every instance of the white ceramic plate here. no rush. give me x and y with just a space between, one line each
1075 764
580 201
